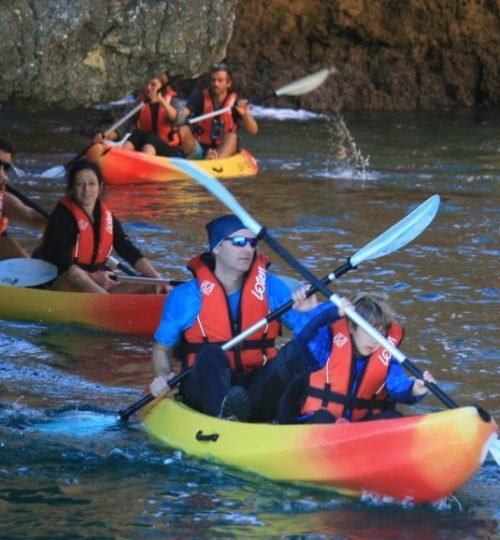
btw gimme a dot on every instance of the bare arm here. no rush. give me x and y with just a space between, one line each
161 359
16 210
249 122
145 268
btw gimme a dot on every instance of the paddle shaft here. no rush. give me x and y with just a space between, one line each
218 112
286 307
149 281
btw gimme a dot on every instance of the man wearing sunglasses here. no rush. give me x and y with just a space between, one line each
11 208
216 137
232 290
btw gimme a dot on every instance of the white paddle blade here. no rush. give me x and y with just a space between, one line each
494 448
401 233
26 272
78 424
218 190
306 84
55 172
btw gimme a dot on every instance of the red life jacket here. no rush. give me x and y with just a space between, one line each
205 126
84 250
4 221
164 129
329 387
214 323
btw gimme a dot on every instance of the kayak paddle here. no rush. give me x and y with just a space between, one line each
400 234
222 194
25 272
295 88
60 170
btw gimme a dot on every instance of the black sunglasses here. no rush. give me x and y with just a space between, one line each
6 166
241 241
219 66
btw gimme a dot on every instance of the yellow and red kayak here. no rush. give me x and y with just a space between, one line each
121 166
416 459
126 313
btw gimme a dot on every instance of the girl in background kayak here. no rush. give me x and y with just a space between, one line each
81 234
157 123
349 375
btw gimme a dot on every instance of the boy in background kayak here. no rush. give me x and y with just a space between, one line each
349 376
216 137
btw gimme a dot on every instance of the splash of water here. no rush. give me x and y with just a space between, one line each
343 147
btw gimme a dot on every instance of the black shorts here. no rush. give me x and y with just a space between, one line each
140 138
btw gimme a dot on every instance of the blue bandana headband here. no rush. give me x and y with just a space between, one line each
221 227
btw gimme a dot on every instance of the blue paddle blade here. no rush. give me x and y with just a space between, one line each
399 234
25 272
218 190
78 423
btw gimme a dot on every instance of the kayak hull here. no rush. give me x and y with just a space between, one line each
416 459
125 313
122 166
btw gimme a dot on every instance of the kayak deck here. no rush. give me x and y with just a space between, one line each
125 313
418 458
122 166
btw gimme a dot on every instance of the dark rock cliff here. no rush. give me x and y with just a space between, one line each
81 52
391 54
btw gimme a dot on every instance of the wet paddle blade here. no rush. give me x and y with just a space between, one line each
55 172
306 84
78 424
26 272
401 233
218 190
494 448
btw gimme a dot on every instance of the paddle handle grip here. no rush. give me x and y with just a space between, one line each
125 414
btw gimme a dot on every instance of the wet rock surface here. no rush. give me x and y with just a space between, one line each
391 55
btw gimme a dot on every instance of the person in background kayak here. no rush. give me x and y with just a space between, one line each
81 234
232 290
216 137
349 376
11 208
157 123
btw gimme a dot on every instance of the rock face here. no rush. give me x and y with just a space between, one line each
83 52
391 54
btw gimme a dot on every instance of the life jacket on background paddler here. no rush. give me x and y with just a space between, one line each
214 323
329 387
4 221
206 133
161 125
85 252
